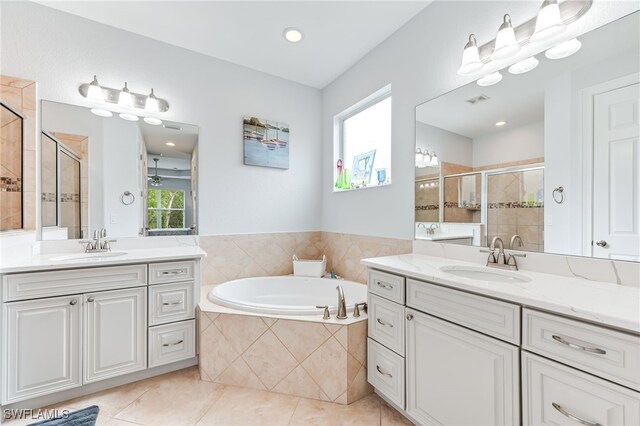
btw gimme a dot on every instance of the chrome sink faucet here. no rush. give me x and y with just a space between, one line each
516 239
432 228
99 244
504 260
342 306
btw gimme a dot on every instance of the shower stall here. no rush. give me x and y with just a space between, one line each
11 169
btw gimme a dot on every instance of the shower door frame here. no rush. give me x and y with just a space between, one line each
61 147
22 154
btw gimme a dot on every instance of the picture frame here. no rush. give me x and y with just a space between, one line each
362 167
266 143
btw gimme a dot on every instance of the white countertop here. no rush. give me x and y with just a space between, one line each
443 236
605 303
44 261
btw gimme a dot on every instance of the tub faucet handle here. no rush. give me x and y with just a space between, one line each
356 309
326 314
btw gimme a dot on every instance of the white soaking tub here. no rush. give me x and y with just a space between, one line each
286 295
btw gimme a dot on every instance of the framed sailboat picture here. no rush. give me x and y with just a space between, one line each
266 143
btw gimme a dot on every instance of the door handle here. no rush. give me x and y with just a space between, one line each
602 243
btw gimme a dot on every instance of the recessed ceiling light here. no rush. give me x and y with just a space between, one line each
129 117
501 123
170 144
564 49
524 65
153 121
101 112
292 35
490 80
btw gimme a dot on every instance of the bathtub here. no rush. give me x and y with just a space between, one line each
286 295
266 333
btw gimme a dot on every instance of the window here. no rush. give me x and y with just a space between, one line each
165 209
364 143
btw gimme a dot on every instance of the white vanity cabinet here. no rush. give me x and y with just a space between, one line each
64 329
115 329
41 341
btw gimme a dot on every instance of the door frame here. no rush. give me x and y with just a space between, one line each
588 95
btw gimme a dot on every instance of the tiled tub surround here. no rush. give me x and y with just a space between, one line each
309 358
231 257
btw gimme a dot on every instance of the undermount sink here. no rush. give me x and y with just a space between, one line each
484 274
82 256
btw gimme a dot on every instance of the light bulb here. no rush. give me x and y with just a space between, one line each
129 117
506 44
152 103
101 112
490 80
470 57
292 35
125 99
94 91
564 49
548 22
523 66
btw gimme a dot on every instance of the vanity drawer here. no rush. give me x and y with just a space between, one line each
35 285
492 317
385 371
386 323
170 303
172 342
611 354
553 394
170 272
387 285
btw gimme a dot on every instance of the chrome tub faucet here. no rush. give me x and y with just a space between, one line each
342 306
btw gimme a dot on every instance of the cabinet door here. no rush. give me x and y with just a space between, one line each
41 347
115 333
459 377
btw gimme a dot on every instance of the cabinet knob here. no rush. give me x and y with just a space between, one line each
409 317
91 299
73 301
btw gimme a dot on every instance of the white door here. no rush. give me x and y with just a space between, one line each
41 347
115 340
616 174
459 377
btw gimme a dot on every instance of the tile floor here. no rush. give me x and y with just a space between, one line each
181 398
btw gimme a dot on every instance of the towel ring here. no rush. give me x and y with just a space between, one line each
558 195
127 198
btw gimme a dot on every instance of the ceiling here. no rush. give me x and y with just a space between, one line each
336 33
183 136
519 99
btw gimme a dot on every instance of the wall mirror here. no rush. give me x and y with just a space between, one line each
547 160
129 177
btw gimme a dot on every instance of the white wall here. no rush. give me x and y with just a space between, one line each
420 62
509 145
62 51
450 147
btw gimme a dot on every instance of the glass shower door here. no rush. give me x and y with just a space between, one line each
70 194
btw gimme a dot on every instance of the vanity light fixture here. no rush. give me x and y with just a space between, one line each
524 65
101 112
471 62
129 117
564 49
152 103
292 35
506 44
424 158
501 123
170 144
490 80
94 91
153 121
125 99
548 22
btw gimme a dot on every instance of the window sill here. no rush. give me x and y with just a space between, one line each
335 190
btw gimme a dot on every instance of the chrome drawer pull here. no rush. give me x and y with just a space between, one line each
572 417
173 344
381 284
578 347
381 371
175 272
384 323
179 302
